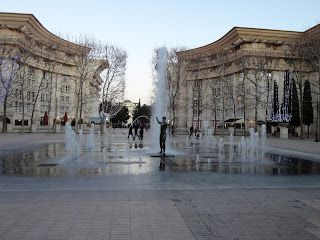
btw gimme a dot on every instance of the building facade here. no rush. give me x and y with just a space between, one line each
131 107
232 81
46 79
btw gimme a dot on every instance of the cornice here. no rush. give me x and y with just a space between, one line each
31 26
239 35
315 30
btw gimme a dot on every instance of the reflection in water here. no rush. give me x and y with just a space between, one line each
33 162
162 165
119 159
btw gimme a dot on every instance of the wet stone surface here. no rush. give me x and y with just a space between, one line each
118 191
136 157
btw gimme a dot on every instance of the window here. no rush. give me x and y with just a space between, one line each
31 73
197 96
19 122
67 99
65 89
28 96
42 97
16 106
43 108
62 99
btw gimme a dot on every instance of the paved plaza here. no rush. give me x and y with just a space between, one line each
136 200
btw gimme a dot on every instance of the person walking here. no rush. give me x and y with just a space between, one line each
130 132
136 127
141 132
191 132
163 134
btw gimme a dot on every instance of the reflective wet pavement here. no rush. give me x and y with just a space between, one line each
122 194
137 158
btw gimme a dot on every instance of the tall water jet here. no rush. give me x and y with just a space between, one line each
90 139
231 147
70 141
161 97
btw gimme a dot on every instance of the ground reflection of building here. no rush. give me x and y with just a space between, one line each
37 162
220 80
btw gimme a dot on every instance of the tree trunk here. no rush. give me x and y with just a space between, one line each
244 107
31 118
301 110
174 119
234 117
34 107
215 116
81 105
256 109
55 108
4 119
22 123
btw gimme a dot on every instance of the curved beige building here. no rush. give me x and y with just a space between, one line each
49 77
230 81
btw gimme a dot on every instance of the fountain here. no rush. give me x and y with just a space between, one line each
71 144
161 102
91 139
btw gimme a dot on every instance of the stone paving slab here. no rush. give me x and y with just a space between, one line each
138 204
178 214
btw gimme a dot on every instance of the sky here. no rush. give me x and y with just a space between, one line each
140 26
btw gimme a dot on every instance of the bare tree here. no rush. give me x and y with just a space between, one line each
50 66
257 83
231 96
312 48
113 78
9 67
215 93
44 84
174 66
242 63
23 79
222 73
196 97
86 64
38 86
296 58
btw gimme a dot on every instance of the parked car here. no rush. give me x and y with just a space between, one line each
97 120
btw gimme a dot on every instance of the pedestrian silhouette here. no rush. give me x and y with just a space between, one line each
130 132
163 134
141 132
191 132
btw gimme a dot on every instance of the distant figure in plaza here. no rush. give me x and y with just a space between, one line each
197 133
191 132
276 132
141 132
163 134
136 127
130 132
